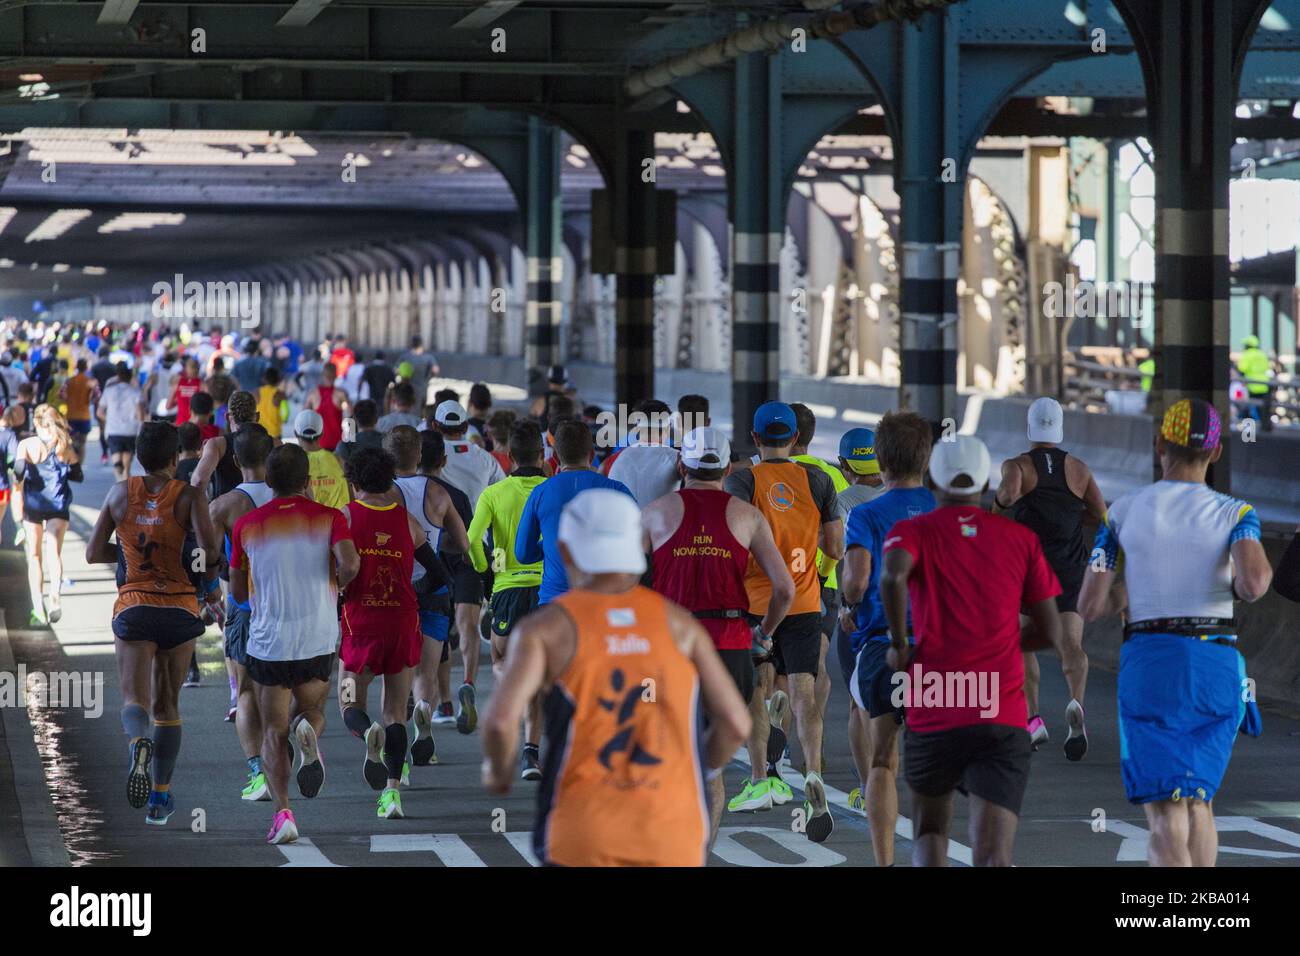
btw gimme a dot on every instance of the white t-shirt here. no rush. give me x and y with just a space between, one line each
470 468
649 471
121 405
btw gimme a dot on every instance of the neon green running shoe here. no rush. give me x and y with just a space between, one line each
390 805
257 788
406 773
755 796
781 792
856 802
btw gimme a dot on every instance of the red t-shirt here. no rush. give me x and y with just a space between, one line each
209 431
186 388
973 573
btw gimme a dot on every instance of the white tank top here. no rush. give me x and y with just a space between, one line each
413 490
259 491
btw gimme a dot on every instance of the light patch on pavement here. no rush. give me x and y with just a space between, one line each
303 853
730 850
447 847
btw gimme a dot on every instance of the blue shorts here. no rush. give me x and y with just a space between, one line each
844 653
236 634
1181 702
872 683
435 624
79 426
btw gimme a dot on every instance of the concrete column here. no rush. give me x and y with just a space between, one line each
544 263
635 228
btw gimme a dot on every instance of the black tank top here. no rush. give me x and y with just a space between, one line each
227 475
1054 513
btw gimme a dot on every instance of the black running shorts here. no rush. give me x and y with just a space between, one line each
797 644
168 627
990 761
290 673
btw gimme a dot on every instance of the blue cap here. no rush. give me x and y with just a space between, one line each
858 448
775 420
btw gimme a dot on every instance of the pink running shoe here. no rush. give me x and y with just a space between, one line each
284 829
1037 731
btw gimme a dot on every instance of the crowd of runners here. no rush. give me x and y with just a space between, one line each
652 603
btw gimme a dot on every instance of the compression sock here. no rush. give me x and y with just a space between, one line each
355 720
166 748
135 721
394 750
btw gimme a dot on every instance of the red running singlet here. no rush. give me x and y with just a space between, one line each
381 624
702 567
331 419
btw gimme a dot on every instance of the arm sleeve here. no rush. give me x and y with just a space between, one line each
1247 527
1106 552
435 571
528 545
477 528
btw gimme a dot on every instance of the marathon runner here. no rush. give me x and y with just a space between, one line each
1050 491
798 501
858 463
156 615
45 465
514 585
902 450
120 413
648 466
293 556
331 402
624 778
1173 557
327 483
434 507
252 445
470 468
965 575
217 463
701 538
381 623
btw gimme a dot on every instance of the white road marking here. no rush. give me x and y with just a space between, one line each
448 847
1135 838
522 840
303 853
732 851
838 800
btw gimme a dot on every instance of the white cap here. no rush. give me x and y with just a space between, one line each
308 424
450 413
705 448
1046 421
602 529
963 455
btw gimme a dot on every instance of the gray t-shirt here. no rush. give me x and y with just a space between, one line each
855 495
390 421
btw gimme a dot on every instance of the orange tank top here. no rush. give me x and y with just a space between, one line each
623 782
783 493
153 549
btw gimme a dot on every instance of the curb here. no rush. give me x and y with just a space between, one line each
40 825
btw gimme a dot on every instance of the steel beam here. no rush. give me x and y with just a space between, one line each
545 261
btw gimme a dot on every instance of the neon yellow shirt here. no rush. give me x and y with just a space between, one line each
499 509
325 479
1253 363
825 566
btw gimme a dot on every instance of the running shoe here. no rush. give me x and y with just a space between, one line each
1037 731
193 678
390 805
756 796
820 822
284 829
139 781
373 769
20 535
231 713
781 792
257 788
37 618
1076 745
161 807
856 801
423 749
444 714
311 769
777 708
405 780
467 719
532 767
56 608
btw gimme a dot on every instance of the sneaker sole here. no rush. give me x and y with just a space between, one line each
139 782
820 822
423 749
467 719
531 774
373 769
286 834
394 813
776 744
752 808
311 775
1076 745
257 796
56 616
150 821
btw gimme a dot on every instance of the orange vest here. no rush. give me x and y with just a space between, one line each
153 547
624 780
783 493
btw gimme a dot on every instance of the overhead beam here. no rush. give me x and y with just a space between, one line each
486 13
302 13
116 12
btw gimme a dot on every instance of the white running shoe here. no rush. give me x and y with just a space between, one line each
373 769
1076 745
311 769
